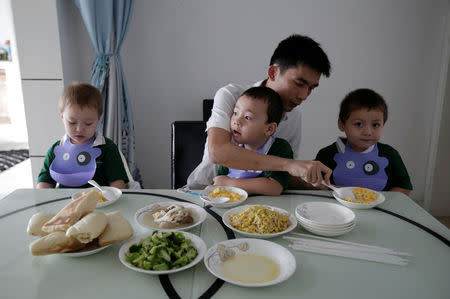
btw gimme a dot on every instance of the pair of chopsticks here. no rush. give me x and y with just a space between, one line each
320 245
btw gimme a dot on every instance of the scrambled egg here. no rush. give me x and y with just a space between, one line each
362 195
260 220
220 192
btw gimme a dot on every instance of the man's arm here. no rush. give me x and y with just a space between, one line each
259 185
222 151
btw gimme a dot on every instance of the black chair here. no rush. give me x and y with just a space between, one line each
207 107
188 141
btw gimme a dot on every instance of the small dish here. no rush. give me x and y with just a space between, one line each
117 194
197 213
197 243
277 253
208 190
324 213
84 251
359 206
237 210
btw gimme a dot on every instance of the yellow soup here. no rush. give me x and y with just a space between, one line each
250 268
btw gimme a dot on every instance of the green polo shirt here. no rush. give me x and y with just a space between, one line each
280 148
109 166
395 171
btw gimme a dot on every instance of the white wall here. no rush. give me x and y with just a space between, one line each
177 53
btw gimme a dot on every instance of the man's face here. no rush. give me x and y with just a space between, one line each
294 85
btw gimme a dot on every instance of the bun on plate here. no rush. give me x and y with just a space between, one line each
117 229
56 242
88 228
36 222
72 212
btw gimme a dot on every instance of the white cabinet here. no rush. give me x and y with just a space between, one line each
41 109
39 49
37 34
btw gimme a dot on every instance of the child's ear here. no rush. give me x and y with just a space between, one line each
271 128
340 125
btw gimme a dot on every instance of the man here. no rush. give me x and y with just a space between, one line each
295 70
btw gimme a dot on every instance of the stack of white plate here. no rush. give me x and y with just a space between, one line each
325 219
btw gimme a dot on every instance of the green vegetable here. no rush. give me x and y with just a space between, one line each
161 251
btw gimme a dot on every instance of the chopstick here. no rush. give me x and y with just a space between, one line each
348 249
370 248
373 257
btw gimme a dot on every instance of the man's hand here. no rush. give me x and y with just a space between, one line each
312 172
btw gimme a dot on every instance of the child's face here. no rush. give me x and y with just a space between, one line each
80 123
249 122
363 128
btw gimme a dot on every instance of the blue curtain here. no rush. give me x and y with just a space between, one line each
107 23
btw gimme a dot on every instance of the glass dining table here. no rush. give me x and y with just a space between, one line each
398 223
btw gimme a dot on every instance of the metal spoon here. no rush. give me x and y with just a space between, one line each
204 196
341 192
108 194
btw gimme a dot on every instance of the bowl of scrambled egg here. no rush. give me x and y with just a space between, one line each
362 198
259 221
236 196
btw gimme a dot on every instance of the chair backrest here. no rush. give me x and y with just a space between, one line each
188 141
207 107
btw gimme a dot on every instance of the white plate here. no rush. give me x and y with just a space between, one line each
197 213
326 233
84 251
239 191
280 255
316 212
237 210
359 206
197 243
326 227
117 194
328 230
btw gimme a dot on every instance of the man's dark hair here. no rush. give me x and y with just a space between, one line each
298 49
269 96
362 98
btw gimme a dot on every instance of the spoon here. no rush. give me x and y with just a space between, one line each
108 194
204 196
341 192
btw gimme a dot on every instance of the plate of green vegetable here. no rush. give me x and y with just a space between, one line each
162 252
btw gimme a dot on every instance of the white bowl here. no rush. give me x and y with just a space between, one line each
277 253
208 190
359 206
196 212
117 194
237 210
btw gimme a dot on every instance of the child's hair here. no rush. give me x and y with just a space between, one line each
298 49
81 95
362 98
269 96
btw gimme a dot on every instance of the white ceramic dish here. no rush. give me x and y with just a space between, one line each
210 189
197 243
359 206
117 194
326 227
237 210
277 253
325 213
327 233
84 251
196 212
